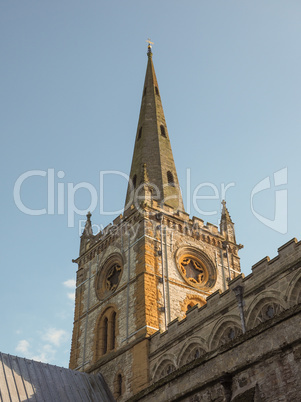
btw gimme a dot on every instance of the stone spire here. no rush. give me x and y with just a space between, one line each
226 224
153 149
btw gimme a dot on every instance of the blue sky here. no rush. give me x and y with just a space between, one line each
72 78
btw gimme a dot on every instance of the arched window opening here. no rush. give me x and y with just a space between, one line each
170 179
140 133
192 352
270 311
135 181
264 310
157 91
105 335
197 353
226 335
190 305
169 369
113 332
162 128
119 385
165 368
231 334
144 92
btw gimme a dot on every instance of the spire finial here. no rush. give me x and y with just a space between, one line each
149 47
89 215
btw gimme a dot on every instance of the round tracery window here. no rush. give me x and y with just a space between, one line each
113 276
196 267
193 269
109 276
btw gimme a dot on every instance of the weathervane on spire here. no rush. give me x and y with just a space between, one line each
149 47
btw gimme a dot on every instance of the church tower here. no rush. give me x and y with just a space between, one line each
150 266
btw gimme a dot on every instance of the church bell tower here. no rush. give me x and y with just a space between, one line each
150 266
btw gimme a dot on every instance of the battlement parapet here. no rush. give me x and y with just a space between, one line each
183 215
193 223
197 222
288 253
117 220
262 264
237 281
172 326
128 211
212 228
289 246
220 303
213 297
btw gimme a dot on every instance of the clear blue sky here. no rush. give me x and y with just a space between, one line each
72 77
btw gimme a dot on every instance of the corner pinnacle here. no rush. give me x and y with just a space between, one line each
225 212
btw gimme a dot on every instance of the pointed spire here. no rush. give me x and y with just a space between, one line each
226 224
153 148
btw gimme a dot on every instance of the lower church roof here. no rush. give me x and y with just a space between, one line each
28 380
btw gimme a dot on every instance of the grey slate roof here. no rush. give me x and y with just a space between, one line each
27 380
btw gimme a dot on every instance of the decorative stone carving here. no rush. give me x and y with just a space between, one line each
193 269
196 267
109 275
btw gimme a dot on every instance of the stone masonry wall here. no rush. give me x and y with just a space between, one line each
261 365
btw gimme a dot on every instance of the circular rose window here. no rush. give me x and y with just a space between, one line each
109 276
193 269
196 267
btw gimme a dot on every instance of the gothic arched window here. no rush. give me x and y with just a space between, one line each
192 352
170 179
106 333
190 305
164 369
119 385
135 181
162 128
113 330
140 133
157 91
